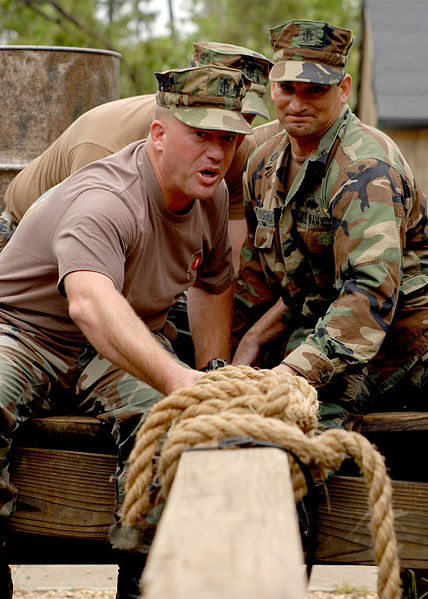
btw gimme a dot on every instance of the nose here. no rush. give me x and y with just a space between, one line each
215 150
296 103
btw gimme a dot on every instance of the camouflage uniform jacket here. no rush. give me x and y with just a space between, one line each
346 249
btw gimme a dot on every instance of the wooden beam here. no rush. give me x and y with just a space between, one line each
381 422
229 530
344 535
63 493
79 433
60 424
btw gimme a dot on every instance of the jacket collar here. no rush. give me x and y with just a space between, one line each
280 156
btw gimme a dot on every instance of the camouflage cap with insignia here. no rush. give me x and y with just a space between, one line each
255 67
208 97
309 51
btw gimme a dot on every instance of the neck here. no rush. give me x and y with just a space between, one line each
301 148
172 199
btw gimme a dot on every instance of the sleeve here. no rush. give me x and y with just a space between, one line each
367 208
94 234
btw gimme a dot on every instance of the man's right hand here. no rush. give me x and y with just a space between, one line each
247 351
119 335
266 329
183 377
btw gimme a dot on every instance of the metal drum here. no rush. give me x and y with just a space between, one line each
43 90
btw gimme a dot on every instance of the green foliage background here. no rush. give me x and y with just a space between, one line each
127 27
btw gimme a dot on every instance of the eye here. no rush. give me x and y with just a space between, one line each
229 138
317 90
286 88
200 133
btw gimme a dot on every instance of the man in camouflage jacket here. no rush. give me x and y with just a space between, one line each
334 272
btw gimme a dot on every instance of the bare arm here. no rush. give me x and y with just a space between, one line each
267 328
117 333
210 320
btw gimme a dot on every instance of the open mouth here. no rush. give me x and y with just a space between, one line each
208 172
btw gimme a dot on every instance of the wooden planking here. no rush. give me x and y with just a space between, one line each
63 424
74 433
344 535
381 422
63 493
229 530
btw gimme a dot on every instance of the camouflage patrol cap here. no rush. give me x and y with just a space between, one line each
208 97
309 51
255 67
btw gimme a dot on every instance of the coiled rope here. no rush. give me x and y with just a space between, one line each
274 407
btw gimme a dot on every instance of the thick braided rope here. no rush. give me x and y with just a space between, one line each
261 405
239 387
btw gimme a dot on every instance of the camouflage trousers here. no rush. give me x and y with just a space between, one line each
39 378
7 227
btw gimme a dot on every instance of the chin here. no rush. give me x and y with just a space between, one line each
206 192
300 130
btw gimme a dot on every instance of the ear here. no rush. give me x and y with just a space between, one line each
345 88
272 90
157 133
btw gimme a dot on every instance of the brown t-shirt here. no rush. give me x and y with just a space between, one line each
110 217
98 133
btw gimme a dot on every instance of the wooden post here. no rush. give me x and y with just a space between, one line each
229 530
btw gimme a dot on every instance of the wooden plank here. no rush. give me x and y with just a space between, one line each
394 421
63 493
80 433
344 535
60 424
229 530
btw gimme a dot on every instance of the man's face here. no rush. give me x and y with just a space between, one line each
193 161
309 109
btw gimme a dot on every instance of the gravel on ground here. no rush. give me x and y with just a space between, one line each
109 594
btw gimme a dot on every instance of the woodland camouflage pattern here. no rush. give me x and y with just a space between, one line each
346 249
254 66
310 52
208 97
39 379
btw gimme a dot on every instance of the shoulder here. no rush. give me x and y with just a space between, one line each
220 199
365 144
266 131
260 135
264 156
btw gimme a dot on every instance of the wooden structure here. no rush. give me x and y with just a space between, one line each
229 529
67 495
343 533
393 82
64 469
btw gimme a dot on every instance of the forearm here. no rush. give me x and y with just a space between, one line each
210 320
117 333
267 328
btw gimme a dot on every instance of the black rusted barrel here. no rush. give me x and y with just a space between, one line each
43 90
